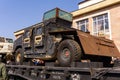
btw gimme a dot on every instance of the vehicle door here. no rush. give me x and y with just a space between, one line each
39 39
27 40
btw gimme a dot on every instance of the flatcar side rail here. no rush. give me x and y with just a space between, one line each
63 73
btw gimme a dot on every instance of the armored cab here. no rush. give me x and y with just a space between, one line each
6 48
55 40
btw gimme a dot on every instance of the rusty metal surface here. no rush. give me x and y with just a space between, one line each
97 46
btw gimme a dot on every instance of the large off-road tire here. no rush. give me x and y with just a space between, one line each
68 52
19 56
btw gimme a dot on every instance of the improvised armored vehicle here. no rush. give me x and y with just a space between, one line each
6 48
54 39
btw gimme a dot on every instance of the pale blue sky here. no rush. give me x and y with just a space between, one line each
18 14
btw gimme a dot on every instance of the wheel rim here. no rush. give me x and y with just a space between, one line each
18 57
65 54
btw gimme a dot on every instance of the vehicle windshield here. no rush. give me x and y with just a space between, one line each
27 34
57 13
39 31
9 40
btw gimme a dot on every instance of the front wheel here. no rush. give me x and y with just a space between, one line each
68 52
19 56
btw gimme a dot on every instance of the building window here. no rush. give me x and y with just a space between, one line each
83 25
101 25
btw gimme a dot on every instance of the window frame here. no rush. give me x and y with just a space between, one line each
103 19
85 23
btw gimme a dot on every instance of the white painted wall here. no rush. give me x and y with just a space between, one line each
88 3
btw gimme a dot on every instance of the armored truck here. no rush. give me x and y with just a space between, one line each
6 48
54 39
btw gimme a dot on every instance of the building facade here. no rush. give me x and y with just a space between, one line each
100 18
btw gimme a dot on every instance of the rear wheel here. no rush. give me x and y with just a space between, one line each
68 52
19 56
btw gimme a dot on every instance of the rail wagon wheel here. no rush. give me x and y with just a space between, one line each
68 51
19 56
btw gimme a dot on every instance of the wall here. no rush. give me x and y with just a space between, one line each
115 24
114 19
88 3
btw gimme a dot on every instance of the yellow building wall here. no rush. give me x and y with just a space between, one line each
115 24
114 20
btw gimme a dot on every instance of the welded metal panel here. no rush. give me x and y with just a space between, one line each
97 46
